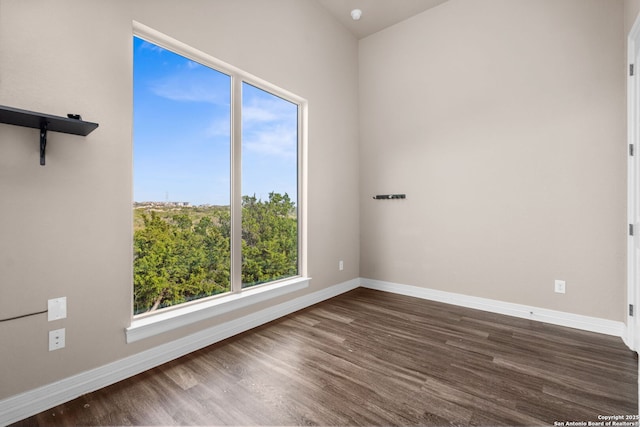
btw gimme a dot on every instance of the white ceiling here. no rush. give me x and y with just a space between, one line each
376 14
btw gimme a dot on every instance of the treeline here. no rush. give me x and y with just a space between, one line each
187 255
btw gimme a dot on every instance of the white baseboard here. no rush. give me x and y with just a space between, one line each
586 323
24 405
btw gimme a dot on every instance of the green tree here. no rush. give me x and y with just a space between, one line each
152 251
175 262
182 256
269 239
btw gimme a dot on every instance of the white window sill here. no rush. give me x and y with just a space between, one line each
154 324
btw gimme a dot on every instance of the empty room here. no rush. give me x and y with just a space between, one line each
319 212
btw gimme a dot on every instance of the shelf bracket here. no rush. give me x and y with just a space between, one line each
43 141
72 124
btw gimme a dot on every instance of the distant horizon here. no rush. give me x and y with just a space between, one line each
200 204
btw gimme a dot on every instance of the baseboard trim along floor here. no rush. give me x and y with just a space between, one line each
576 321
29 403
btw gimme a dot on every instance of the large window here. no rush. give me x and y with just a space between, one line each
217 168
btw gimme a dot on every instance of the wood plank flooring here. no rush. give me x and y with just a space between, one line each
377 359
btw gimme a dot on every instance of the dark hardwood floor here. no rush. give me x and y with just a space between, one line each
377 359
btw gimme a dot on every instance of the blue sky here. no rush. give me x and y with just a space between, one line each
181 142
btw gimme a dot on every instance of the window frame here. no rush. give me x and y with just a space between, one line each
168 318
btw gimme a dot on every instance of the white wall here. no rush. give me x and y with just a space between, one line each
66 228
503 122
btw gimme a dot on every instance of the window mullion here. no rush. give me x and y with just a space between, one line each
302 190
236 183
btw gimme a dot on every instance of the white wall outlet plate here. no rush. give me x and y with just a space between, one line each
560 286
56 339
57 308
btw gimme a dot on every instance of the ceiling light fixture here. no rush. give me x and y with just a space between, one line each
356 14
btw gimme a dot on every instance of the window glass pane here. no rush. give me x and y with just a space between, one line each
269 187
181 179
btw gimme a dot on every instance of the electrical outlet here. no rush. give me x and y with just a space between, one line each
57 308
341 265
560 286
56 339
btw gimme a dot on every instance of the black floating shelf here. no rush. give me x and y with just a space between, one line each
45 122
